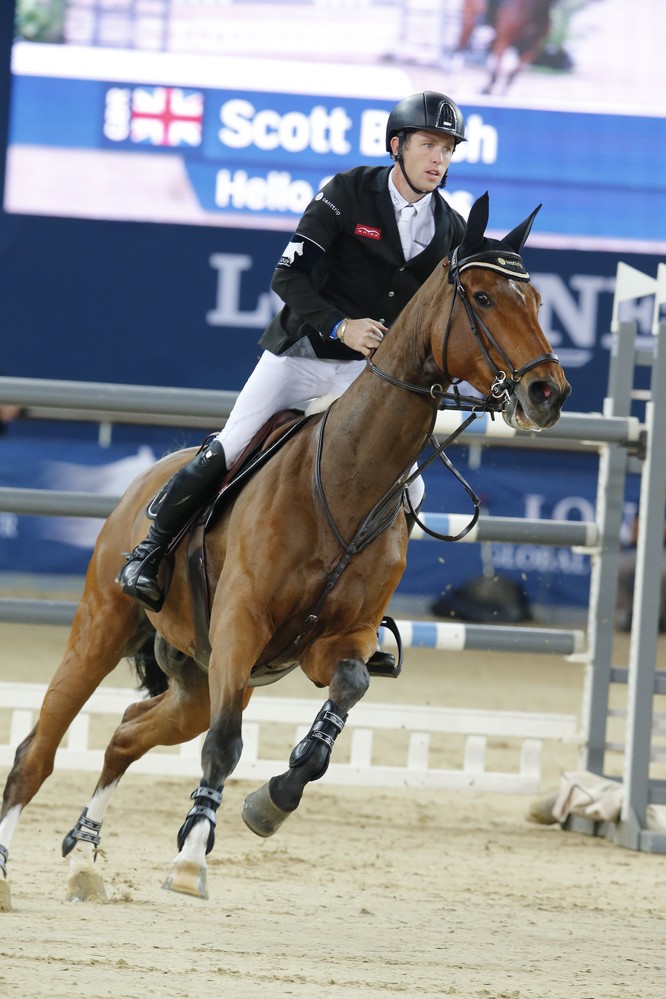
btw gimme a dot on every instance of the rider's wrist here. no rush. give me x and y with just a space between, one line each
338 332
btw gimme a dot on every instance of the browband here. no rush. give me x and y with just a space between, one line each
509 264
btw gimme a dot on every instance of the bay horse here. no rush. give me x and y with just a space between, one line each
299 572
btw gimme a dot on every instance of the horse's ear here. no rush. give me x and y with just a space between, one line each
517 238
477 220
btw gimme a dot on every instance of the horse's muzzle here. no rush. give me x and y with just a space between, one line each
537 405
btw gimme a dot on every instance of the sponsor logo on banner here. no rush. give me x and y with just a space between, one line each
154 116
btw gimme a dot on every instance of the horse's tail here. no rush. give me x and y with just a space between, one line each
150 676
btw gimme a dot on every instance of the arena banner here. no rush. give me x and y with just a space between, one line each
90 147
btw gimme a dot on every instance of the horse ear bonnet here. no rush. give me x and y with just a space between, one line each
478 250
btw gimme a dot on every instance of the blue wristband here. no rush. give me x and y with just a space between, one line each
333 335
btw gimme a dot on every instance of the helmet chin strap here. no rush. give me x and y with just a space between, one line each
416 190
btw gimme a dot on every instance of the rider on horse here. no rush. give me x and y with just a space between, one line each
348 258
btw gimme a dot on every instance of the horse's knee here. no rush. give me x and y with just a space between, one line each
349 684
28 773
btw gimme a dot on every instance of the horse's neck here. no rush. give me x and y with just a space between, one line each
375 431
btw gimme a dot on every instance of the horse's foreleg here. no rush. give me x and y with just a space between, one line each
196 837
266 809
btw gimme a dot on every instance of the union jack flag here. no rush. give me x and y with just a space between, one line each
166 116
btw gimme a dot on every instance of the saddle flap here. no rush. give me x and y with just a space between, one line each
265 443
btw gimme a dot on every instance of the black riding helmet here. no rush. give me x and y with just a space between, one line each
429 112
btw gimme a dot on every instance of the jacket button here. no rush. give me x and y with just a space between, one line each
391 294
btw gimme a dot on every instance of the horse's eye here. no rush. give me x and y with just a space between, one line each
482 299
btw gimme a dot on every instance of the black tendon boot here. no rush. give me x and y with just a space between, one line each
186 492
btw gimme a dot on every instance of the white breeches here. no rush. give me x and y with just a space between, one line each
280 382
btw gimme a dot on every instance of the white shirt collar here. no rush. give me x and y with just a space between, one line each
399 202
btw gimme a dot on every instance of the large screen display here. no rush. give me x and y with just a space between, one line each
233 113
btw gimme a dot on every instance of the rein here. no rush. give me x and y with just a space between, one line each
376 521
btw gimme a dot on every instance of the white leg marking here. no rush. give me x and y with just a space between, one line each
194 847
9 824
100 801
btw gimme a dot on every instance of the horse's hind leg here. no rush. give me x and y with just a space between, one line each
265 809
106 628
173 717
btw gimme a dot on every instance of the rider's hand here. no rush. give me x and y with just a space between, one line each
364 335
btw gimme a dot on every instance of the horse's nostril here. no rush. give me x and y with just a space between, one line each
542 392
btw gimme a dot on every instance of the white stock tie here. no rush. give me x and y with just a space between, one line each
405 222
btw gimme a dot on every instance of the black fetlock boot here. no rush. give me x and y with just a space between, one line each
183 496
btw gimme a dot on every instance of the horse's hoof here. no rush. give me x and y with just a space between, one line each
5 896
85 885
187 878
261 814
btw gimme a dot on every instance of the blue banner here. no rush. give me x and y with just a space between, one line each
262 156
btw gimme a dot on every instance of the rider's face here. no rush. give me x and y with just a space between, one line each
426 156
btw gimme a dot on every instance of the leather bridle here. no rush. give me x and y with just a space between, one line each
504 382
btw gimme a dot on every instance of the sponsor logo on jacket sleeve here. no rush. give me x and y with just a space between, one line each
289 253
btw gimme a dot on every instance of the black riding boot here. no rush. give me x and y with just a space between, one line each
184 494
